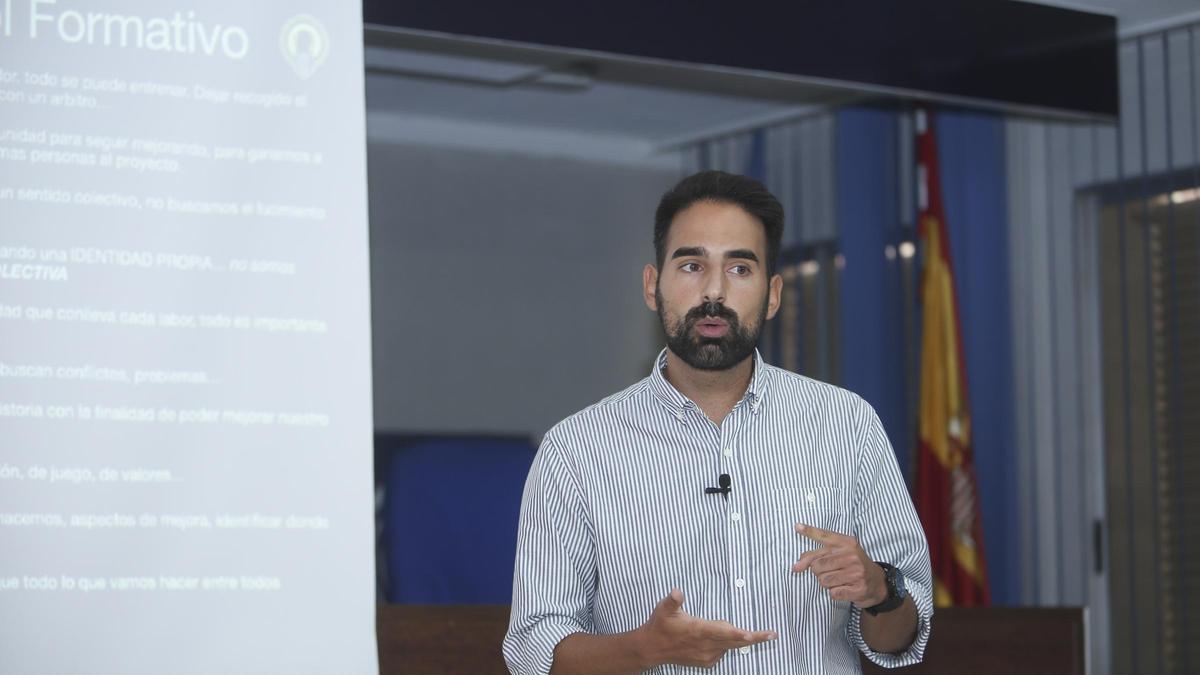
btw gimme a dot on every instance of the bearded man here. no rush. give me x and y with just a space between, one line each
721 513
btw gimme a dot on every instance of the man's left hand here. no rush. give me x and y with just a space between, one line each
842 567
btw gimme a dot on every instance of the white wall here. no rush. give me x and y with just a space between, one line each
506 287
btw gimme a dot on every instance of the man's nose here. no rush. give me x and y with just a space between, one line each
714 287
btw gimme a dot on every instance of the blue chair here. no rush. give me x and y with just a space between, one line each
450 511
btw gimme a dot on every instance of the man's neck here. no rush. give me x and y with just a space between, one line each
715 391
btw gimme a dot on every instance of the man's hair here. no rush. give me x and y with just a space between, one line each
723 188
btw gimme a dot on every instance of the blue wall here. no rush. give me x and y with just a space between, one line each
868 211
974 186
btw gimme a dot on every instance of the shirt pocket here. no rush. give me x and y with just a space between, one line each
799 596
818 506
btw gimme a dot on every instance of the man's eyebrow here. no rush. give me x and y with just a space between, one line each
741 254
689 251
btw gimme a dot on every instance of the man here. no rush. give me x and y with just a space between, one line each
722 512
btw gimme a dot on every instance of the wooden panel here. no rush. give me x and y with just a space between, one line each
1002 640
439 639
428 640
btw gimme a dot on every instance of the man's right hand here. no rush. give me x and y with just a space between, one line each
671 635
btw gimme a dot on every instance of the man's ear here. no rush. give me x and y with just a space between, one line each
649 283
774 295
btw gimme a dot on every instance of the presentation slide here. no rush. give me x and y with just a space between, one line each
185 364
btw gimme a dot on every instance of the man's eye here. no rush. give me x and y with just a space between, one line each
690 267
740 270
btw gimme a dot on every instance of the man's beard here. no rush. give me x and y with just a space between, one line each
705 353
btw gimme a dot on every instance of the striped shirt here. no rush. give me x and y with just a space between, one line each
614 515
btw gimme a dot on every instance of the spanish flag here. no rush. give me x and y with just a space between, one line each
946 491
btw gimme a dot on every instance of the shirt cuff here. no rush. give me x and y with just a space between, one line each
916 651
533 652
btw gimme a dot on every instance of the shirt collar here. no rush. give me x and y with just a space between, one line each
677 403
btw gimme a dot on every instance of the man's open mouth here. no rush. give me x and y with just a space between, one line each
712 327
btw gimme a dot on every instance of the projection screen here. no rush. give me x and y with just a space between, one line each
185 394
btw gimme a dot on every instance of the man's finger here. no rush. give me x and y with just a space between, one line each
755 637
833 579
832 562
675 599
676 595
845 593
673 602
722 632
731 636
809 558
827 537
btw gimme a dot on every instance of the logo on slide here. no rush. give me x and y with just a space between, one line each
304 43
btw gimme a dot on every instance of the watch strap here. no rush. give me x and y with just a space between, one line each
895 596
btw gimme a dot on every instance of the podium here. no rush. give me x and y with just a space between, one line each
442 639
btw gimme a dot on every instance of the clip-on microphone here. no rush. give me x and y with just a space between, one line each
725 482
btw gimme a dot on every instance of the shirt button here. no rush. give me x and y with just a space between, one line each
729 452
740 583
735 516
745 650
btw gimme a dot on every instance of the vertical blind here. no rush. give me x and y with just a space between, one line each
1103 225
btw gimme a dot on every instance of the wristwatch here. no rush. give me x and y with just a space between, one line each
896 590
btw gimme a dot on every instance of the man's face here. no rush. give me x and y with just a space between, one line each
712 293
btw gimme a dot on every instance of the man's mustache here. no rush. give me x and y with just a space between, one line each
713 310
